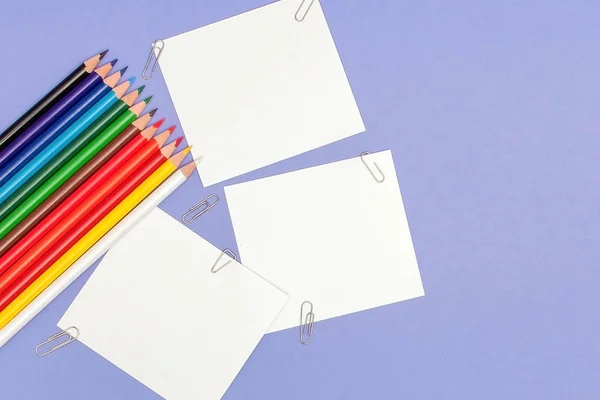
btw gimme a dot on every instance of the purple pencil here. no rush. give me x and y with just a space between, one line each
56 111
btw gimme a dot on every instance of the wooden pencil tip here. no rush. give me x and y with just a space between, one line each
122 71
153 112
113 62
112 80
187 169
168 150
178 158
171 129
162 138
178 141
103 54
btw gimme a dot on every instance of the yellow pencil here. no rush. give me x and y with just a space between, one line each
90 238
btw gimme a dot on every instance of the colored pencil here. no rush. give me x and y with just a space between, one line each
85 173
59 127
42 292
82 201
28 268
67 153
71 167
54 113
92 237
58 92
73 132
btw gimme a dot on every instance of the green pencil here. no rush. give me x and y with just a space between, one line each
70 168
68 152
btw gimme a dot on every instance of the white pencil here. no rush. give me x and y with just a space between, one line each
96 251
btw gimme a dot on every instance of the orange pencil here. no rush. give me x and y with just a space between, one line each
69 214
32 272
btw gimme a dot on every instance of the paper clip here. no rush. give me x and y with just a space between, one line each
297 15
204 202
306 323
362 157
157 45
54 337
214 268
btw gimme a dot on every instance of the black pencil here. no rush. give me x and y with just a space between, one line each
82 71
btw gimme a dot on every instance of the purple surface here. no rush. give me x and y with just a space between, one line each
492 111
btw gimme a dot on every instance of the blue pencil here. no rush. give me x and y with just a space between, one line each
54 113
43 158
59 127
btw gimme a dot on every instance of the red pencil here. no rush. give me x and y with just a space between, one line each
69 214
67 241
97 179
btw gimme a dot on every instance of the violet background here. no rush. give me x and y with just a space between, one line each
492 112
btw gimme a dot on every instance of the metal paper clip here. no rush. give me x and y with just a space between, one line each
297 15
306 323
362 157
204 202
158 45
214 268
54 337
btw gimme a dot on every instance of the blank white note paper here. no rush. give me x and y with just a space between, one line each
258 88
329 234
154 309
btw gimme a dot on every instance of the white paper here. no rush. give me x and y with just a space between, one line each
154 309
258 88
330 235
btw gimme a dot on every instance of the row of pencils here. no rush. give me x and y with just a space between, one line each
77 171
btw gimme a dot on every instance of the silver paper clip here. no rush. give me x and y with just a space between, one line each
306 323
378 180
158 45
61 344
215 267
300 17
205 202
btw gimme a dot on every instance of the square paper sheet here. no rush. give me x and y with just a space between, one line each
258 88
330 235
154 309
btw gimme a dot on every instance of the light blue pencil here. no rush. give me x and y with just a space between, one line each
43 158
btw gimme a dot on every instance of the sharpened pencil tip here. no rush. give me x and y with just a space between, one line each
147 99
178 141
171 129
151 113
122 71
103 54
113 62
157 124
131 80
141 89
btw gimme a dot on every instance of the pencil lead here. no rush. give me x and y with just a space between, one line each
171 129
131 80
157 124
141 89
187 149
103 54
178 141
147 99
113 62
122 71
151 113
